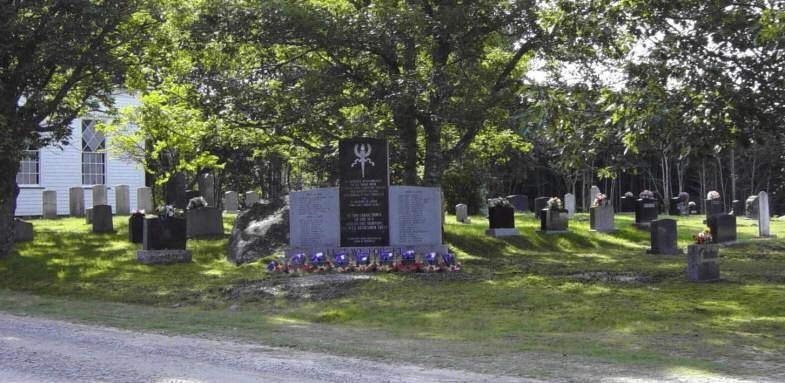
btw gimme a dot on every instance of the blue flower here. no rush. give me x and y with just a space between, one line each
386 257
272 265
341 259
448 259
363 258
317 259
430 258
408 256
298 259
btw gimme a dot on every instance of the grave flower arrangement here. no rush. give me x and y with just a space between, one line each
629 194
713 195
684 196
500 202
342 263
137 212
319 263
599 200
409 262
387 262
646 194
363 262
449 263
554 203
168 211
702 237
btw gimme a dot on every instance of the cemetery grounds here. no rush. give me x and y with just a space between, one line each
574 306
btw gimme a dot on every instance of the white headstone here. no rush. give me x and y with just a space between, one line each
144 199
569 204
76 201
99 195
764 217
314 218
122 200
462 213
230 201
415 216
49 204
251 197
593 194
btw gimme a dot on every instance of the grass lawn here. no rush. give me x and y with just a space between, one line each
583 295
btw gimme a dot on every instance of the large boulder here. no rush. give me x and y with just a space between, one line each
260 231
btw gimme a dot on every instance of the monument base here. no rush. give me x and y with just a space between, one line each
163 257
507 232
610 231
331 251
552 231
642 225
660 252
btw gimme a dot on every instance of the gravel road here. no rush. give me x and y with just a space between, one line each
34 350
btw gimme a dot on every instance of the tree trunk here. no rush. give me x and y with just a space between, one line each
406 123
9 190
733 174
434 158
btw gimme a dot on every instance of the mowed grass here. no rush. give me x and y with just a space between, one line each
583 293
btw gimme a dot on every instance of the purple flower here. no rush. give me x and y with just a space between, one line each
386 257
363 258
408 255
342 259
430 258
448 259
317 259
272 265
298 259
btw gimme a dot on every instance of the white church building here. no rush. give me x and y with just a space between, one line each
84 162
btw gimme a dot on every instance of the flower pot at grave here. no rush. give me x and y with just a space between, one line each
703 263
646 210
501 217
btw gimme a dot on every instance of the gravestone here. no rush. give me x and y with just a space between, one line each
136 228
593 193
752 207
174 191
314 218
23 231
627 205
569 204
415 216
664 237
99 195
723 228
88 216
519 201
206 184
163 242
703 263
714 207
49 204
539 204
554 220
738 208
122 199
230 202
462 213
693 208
102 219
646 211
76 201
364 193
501 221
251 197
144 199
764 216
204 222
676 206
601 218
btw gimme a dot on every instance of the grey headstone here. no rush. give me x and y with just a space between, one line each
207 188
230 202
752 207
569 204
415 216
539 204
602 218
122 199
23 231
703 263
738 208
764 215
314 218
99 195
204 222
462 213
554 220
49 204
664 237
251 197
519 201
76 201
88 216
102 219
144 199
714 207
593 193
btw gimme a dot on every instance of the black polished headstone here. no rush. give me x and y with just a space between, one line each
164 234
714 207
364 181
501 217
723 228
136 228
519 201
174 192
102 219
539 204
664 237
738 208
627 205
676 206
646 210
